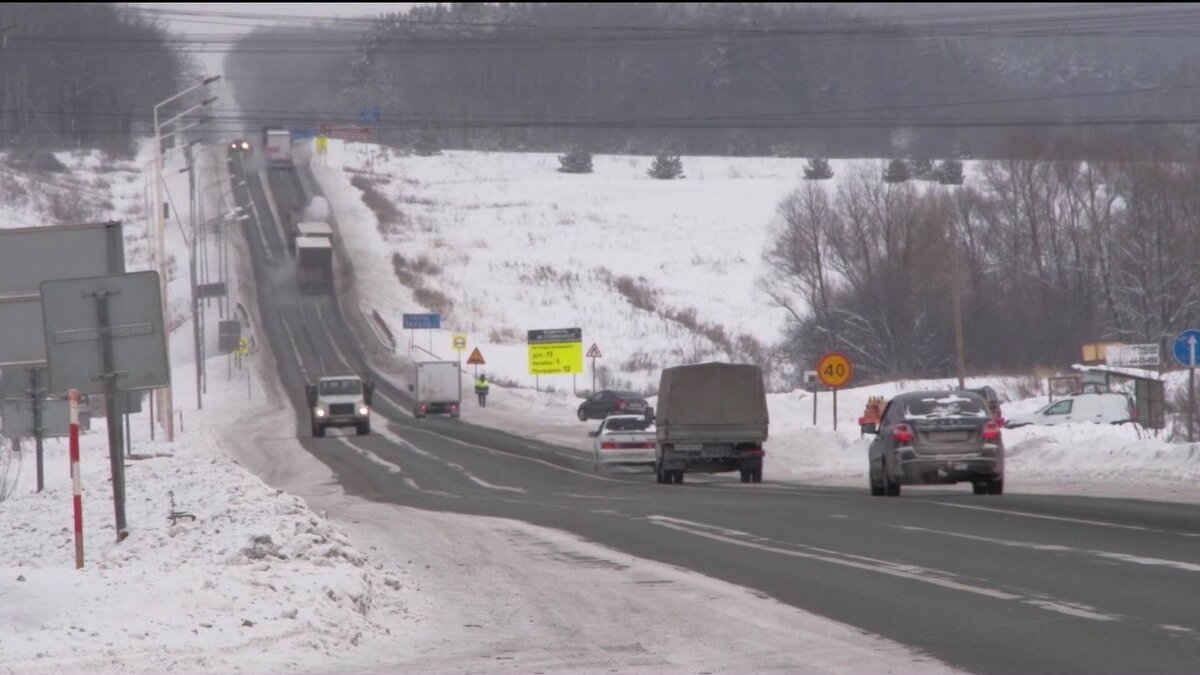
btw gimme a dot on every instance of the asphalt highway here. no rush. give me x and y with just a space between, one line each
990 584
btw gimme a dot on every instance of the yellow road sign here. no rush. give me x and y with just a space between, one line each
834 370
458 342
555 358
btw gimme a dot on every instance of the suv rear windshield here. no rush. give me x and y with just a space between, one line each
944 405
340 387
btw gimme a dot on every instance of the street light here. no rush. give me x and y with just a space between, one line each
167 406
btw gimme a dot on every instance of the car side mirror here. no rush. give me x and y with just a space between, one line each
310 393
593 434
869 428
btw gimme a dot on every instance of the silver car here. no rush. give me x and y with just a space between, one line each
936 437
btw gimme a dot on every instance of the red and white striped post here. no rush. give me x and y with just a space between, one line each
76 489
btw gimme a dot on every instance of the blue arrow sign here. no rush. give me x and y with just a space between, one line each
1187 348
370 114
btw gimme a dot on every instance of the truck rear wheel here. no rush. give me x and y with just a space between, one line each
756 475
745 474
677 476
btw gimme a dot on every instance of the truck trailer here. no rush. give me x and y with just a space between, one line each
438 388
314 265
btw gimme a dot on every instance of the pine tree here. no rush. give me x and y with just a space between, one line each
818 169
427 145
577 160
897 172
950 172
921 168
666 166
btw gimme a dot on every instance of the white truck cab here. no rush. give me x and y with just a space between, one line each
339 401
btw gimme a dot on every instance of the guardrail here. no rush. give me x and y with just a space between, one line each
380 328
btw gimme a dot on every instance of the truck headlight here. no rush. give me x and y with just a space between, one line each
363 410
319 412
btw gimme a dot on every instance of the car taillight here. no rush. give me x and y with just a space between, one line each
648 446
620 404
424 407
991 431
608 446
902 433
454 406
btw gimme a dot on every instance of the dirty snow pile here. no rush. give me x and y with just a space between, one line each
249 575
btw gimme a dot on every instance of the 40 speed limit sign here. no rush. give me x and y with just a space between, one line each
834 370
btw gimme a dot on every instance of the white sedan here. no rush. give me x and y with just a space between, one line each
623 440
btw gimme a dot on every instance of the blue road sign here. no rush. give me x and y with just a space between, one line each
414 321
302 134
1187 348
370 114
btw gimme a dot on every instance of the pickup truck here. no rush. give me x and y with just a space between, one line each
712 417
623 440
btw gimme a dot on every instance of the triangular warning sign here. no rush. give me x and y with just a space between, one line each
594 352
475 359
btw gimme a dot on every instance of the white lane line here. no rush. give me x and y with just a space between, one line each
886 567
1060 548
392 468
403 410
453 465
1082 521
295 349
495 451
333 340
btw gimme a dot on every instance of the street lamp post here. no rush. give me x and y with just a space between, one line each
956 292
167 403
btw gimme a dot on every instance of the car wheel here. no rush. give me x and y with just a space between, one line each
876 488
660 476
890 487
995 487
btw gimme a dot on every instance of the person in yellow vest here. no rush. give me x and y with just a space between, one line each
481 390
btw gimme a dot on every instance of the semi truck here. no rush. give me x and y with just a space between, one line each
438 388
712 417
314 265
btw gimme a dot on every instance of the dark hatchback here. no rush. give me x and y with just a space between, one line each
936 437
609 402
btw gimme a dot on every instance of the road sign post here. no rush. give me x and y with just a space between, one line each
593 354
1184 351
834 370
105 335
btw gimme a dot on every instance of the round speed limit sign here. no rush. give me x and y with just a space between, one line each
834 370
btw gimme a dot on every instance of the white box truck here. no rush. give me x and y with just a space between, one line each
277 146
438 388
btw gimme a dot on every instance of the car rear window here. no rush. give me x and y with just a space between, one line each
627 395
948 405
631 424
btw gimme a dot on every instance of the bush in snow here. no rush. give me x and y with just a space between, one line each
896 172
921 168
666 166
577 160
818 169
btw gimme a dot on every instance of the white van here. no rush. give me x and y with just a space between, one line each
1111 408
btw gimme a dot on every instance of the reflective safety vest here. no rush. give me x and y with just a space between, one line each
481 386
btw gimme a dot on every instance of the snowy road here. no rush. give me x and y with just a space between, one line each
1013 584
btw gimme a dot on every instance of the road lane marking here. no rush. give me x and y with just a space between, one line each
886 567
388 434
295 349
392 468
1082 521
333 341
1060 548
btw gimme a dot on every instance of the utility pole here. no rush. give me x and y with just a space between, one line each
192 273
956 292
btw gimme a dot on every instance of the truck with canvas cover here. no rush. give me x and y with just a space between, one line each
438 388
712 417
314 265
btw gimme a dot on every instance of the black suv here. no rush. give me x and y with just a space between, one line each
609 402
